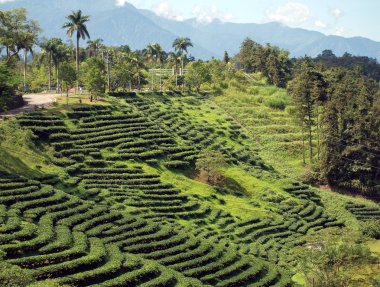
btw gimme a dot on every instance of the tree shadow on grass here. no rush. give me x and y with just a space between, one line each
13 165
231 186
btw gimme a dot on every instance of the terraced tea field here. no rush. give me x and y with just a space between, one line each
272 127
113 217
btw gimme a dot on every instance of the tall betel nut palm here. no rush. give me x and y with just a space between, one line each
77 23
180 45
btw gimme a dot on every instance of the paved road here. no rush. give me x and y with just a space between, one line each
32 101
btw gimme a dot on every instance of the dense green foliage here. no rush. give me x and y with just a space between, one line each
308 89
95 77
351 132
272 62
210 165
367 66
197 74
333 260
339 105
7 83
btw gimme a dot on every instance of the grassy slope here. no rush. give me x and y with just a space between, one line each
272 131
19 154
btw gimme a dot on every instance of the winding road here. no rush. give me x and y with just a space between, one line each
32 101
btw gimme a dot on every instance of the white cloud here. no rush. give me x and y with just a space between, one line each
164 9
337 13
320 24
292 13
340 31
5 1
118 2
208 14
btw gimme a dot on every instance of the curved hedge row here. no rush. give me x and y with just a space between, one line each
78 243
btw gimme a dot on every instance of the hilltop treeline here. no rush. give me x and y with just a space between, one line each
271 61
339 106
367 66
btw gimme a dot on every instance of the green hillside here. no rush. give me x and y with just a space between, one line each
107 194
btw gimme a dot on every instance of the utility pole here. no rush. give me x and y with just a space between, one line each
108 63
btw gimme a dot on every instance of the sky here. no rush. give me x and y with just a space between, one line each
346 18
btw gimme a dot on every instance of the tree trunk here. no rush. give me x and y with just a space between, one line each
108 73
318 135
183 64
310 140
25 59
57 89
303 145
77 61
67 95
49 66
152 80
161 78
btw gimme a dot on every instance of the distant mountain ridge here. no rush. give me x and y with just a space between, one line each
137 28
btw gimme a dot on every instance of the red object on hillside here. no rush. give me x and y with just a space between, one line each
72 90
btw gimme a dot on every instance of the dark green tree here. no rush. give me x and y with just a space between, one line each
68 78
210 166
226 57
198 73
95 79
94 46
333 259
308 89
350 154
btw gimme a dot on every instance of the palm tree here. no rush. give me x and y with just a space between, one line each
138 66
160 53
150 53
60 52
174 58
26 44
180 45
94 46
48 47
26 40
77 23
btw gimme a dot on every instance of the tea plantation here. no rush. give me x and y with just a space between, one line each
116 202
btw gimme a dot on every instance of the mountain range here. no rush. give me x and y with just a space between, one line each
137 28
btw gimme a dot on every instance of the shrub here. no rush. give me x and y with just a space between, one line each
371 228
275 102
176 164
291 110
209 165
48 283
14 276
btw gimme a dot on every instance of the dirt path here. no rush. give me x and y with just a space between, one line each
32 101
